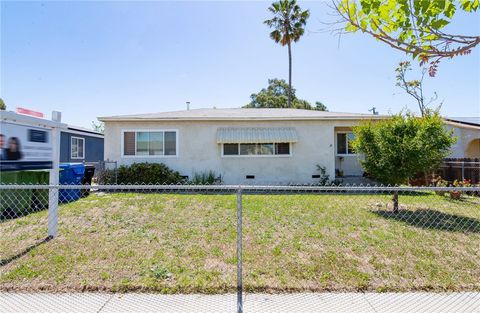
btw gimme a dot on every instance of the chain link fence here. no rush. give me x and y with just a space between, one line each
244 248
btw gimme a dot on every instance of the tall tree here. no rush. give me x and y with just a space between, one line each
276 96
288 24
2 105
416 27
414 87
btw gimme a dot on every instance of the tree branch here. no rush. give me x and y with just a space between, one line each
445 49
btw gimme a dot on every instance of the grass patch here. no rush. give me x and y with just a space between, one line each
186 243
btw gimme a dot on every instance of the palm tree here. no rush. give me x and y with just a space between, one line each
288 23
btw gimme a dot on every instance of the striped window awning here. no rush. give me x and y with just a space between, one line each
256 135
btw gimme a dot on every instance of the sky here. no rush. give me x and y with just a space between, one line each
90 59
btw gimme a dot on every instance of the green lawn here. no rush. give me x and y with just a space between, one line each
186 243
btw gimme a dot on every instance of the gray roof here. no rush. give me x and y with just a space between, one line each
84 129
471 120
240 114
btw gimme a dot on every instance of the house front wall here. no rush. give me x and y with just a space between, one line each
348 165
468 142
198 151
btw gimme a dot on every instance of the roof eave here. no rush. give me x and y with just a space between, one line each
461 125
139 119
87 131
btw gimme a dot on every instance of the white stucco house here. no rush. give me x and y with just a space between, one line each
253 146
467 131
244 146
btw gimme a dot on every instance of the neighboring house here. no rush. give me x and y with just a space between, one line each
78 144
464 159
257 146
467 131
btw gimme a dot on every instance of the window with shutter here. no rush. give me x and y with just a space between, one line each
149 143
129 143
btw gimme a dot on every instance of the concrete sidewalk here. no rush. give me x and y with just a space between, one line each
300 302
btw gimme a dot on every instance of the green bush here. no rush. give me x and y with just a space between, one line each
206 178
396 149
106 177
142 173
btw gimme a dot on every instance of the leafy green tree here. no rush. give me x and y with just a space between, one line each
396 149
3 107
319 106
288 24
276 96
416 27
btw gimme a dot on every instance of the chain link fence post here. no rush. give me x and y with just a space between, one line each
54 177
239 252
52 212
395 201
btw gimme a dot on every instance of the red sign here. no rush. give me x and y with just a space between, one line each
30 112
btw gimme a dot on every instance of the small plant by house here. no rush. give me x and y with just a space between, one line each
440 182
206 178
457 194
324 178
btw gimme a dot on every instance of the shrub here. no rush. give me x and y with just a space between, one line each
440 182
143 173
396 149
206 178
106 177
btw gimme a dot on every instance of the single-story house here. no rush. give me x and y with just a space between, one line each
78 144
244 146
467 131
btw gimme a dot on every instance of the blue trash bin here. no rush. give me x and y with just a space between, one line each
70 174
